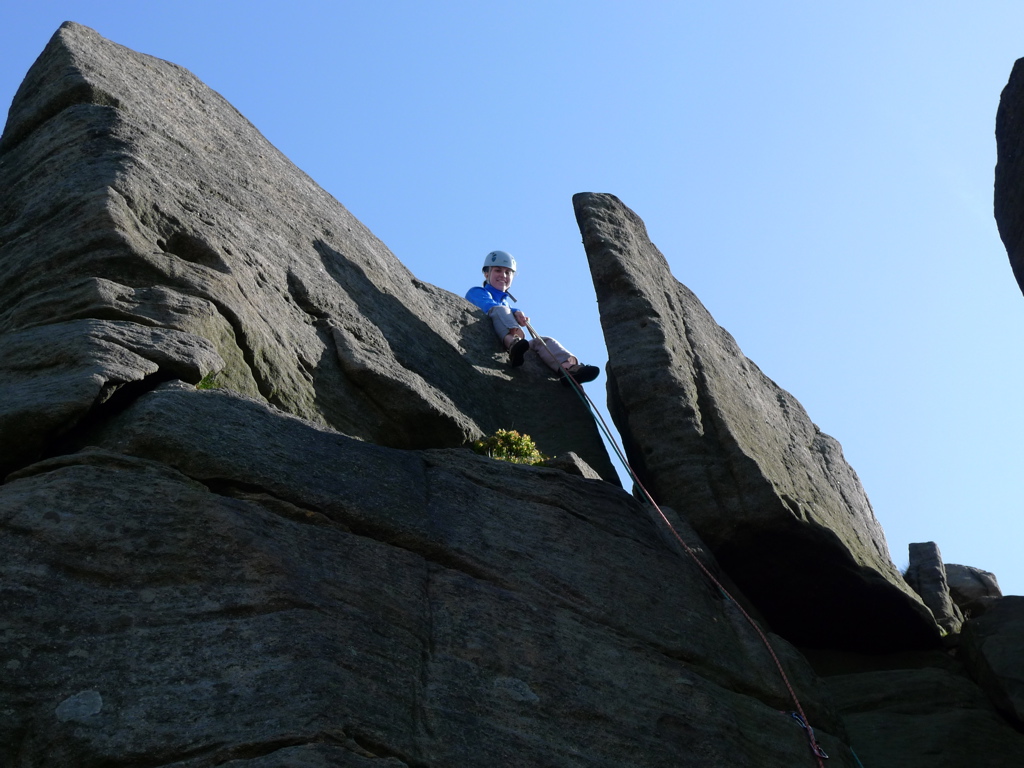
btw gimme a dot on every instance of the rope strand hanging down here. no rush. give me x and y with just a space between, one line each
798 715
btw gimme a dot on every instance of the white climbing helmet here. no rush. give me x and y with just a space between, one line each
499 259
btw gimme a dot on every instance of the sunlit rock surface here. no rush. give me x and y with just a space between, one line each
149 232
239 526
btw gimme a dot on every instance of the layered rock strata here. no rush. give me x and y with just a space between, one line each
216 575
148 232
712 436
214 580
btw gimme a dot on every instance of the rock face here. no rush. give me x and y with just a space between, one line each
186 598
1009 177
972 589
239 526
926 575
200 577
993 649
923 717
189 247
716 439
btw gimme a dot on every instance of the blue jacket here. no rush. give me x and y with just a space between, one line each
487 296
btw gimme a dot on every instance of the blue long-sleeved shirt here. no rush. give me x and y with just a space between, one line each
487 297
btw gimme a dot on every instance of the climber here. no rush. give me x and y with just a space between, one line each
493 298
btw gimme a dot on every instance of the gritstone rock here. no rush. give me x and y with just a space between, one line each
972 589
573 464
992 642
712 436
1009 175
199 578
992 646
237 582
924 718
926 575
149 232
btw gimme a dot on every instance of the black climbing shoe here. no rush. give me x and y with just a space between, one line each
582 374
517 351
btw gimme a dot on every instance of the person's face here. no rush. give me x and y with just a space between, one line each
500 277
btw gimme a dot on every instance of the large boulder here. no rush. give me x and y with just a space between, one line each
926 575
709 434
213 580
141 212
972 589
992 647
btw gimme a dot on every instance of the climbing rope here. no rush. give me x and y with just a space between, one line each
798 715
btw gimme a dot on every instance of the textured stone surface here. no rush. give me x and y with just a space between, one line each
992 647
1009 174
716 439
57 375
926 575
972 589
214 580
196 577
134 194
924 718
573 464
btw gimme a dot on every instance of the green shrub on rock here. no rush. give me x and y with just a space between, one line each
506 445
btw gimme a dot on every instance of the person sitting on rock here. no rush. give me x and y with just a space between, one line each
493 298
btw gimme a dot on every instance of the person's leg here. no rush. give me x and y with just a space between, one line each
505 326
554 355
512 337
558 357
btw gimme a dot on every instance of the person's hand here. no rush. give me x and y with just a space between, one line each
520 317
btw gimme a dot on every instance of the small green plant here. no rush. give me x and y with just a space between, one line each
209 381
506 445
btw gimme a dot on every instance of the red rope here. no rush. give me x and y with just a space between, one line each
816 750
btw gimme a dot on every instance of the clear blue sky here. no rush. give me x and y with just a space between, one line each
820 174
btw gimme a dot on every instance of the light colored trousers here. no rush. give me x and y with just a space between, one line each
553 355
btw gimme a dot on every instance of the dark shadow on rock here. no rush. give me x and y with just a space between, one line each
384 354
826 610
414 343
